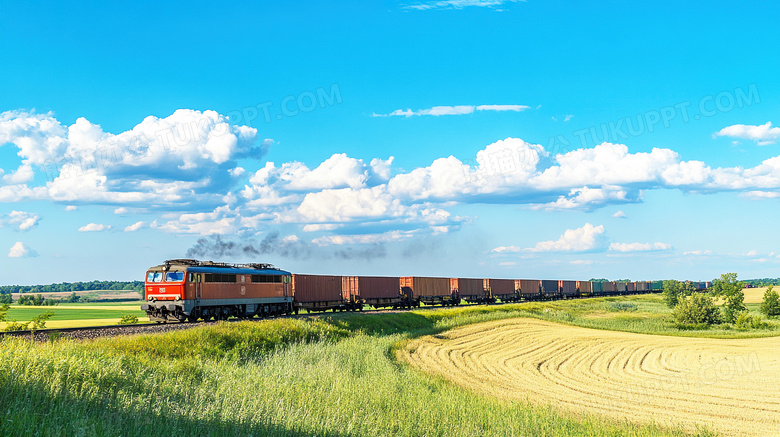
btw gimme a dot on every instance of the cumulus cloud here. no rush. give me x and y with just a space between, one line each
21 220
94 227
186 157
71 208
135 226
619 214
20 250
639 247
762 134
453 110
581 239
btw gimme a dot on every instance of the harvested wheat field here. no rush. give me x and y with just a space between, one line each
728 385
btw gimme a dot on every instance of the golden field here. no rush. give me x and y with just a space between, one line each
727 385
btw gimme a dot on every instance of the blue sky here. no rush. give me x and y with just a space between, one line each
537 139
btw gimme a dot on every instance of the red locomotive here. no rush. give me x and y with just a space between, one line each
185 289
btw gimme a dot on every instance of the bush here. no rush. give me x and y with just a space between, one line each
771 304
128 319
745 321
697 310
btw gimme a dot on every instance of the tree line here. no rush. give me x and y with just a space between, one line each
74 286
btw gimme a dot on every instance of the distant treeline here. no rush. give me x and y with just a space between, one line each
763 282
74 286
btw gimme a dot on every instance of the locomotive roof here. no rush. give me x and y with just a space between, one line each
237 271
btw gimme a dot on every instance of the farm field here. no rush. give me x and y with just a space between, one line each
124 295
76 315
728 385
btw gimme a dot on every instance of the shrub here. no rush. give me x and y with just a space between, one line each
128 319
697 310
771 304
745 321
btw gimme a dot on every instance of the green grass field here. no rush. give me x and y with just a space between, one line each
326 375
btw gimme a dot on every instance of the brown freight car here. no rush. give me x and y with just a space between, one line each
377 291
503 289
471 290
568 289
430 291
320 293
585 288
530 289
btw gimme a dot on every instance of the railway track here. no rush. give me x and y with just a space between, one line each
91 332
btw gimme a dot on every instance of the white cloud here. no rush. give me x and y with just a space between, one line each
320 227
573 240
762 134
183 158
20 250
507 249
135 226
22 221
71 208
453 110
22 175
619 214
121 210
698 252
751 253
587 198
568 117
94 227
639 247
459 4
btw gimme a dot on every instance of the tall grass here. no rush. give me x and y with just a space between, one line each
324 387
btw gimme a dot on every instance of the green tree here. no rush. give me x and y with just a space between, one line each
699 309
734 298
771 304
675 291
3 311
6 298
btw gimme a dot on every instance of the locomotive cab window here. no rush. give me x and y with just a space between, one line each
174 276
154 277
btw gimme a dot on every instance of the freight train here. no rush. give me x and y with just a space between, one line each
188 290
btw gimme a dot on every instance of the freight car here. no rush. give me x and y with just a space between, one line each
321 293
530 289
568 289
430 291
185 289
504 289
376 291
471 290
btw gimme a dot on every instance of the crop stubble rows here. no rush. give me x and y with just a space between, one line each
728 385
